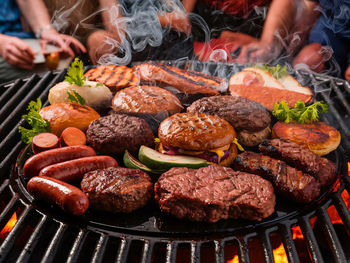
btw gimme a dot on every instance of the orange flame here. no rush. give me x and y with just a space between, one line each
8 227
279 255
332 212
234 260
297 233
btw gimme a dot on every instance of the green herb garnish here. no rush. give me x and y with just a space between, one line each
300 113
276 71
34 119
74 96
75 73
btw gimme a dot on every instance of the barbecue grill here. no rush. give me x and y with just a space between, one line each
34 231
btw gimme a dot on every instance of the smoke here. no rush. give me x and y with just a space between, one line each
139 27
144 29
70 18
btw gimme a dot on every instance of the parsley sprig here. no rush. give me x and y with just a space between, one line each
277 71
37 123
74 96
300 113
75 73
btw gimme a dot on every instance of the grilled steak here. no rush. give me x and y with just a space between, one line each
113 134
241 113
185 81
117 189
146 100
213 193
113 76
288 181
297 156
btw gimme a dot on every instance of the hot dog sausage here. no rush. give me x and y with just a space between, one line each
37 162
44 141
74 170
68 197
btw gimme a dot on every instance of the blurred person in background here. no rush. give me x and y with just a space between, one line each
308 32
229 24
16 55
141 30
332 30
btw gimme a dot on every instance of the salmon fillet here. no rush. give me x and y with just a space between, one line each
185 81
113 76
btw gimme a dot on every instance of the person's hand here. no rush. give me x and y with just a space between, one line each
257 52
16 52
64 42
347 73
314 56
239 38
176 20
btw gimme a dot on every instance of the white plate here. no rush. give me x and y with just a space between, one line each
35 45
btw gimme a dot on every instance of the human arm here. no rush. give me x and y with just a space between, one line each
189 5
37 15
112 18
287 26
347 74
16 52
178 18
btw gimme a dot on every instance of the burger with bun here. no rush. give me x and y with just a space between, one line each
204 136
250 119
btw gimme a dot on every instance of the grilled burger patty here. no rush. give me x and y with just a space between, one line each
241 113
288 181
113 134
213 193
186 81
146 100
117 189
301 158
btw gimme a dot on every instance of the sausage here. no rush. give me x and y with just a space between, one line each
68 197
287 181
72 136
44 141
301 158
37 162
74 170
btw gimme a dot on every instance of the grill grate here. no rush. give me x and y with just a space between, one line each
46 236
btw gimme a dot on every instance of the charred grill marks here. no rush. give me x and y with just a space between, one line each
112 74
177 74
295 155
288 181
120 77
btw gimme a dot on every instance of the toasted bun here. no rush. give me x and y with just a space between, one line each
69 114
146 100
195 132
230 159
253 138
260 86
285 82
318 137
